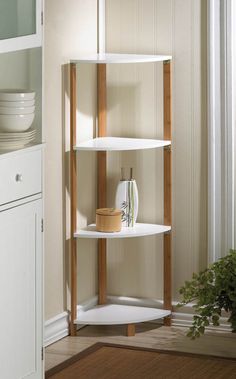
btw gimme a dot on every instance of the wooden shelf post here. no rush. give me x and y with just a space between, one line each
167 191
101 180
130 330
73 196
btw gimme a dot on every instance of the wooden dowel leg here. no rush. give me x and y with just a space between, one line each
167 191
101 180
130 330
102 274
73 287
73 196
167 276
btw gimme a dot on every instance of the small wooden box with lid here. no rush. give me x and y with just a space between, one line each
108 220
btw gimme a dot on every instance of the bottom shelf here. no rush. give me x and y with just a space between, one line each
114 314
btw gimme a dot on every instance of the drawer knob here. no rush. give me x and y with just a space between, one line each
19 178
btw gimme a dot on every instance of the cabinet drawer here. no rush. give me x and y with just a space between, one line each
20 176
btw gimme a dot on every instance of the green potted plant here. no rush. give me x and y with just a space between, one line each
212 291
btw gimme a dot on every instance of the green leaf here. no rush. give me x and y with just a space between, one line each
212 291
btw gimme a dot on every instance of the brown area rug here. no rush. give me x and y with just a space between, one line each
110 361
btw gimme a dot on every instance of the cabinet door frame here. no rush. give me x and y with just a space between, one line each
28 41
39 290
34 207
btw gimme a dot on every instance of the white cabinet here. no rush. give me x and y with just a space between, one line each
21 248
22 175
20 24
21 291
21 258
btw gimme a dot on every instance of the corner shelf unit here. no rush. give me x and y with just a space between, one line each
105 313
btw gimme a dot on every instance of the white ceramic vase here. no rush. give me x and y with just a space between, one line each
127 201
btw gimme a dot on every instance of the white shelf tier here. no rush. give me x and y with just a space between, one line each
120 144
139 230
113 314
120 58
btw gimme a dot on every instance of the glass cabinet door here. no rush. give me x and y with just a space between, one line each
20 24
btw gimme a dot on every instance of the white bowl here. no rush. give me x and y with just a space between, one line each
17 104
16 94
9 110
15 123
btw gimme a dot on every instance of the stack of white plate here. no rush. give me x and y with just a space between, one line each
16 140
17 111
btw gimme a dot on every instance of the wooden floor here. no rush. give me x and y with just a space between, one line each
148 335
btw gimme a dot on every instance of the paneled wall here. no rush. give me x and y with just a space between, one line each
178 28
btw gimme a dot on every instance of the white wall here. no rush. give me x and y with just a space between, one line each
178 28
70 29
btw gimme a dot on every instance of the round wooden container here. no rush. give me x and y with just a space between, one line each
108 220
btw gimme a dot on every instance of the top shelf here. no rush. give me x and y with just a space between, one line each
120 58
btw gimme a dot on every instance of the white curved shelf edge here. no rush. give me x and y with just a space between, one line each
139 230
114 314
120 58
120 144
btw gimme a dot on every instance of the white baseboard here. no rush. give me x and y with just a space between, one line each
185 319
88 304
58 326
